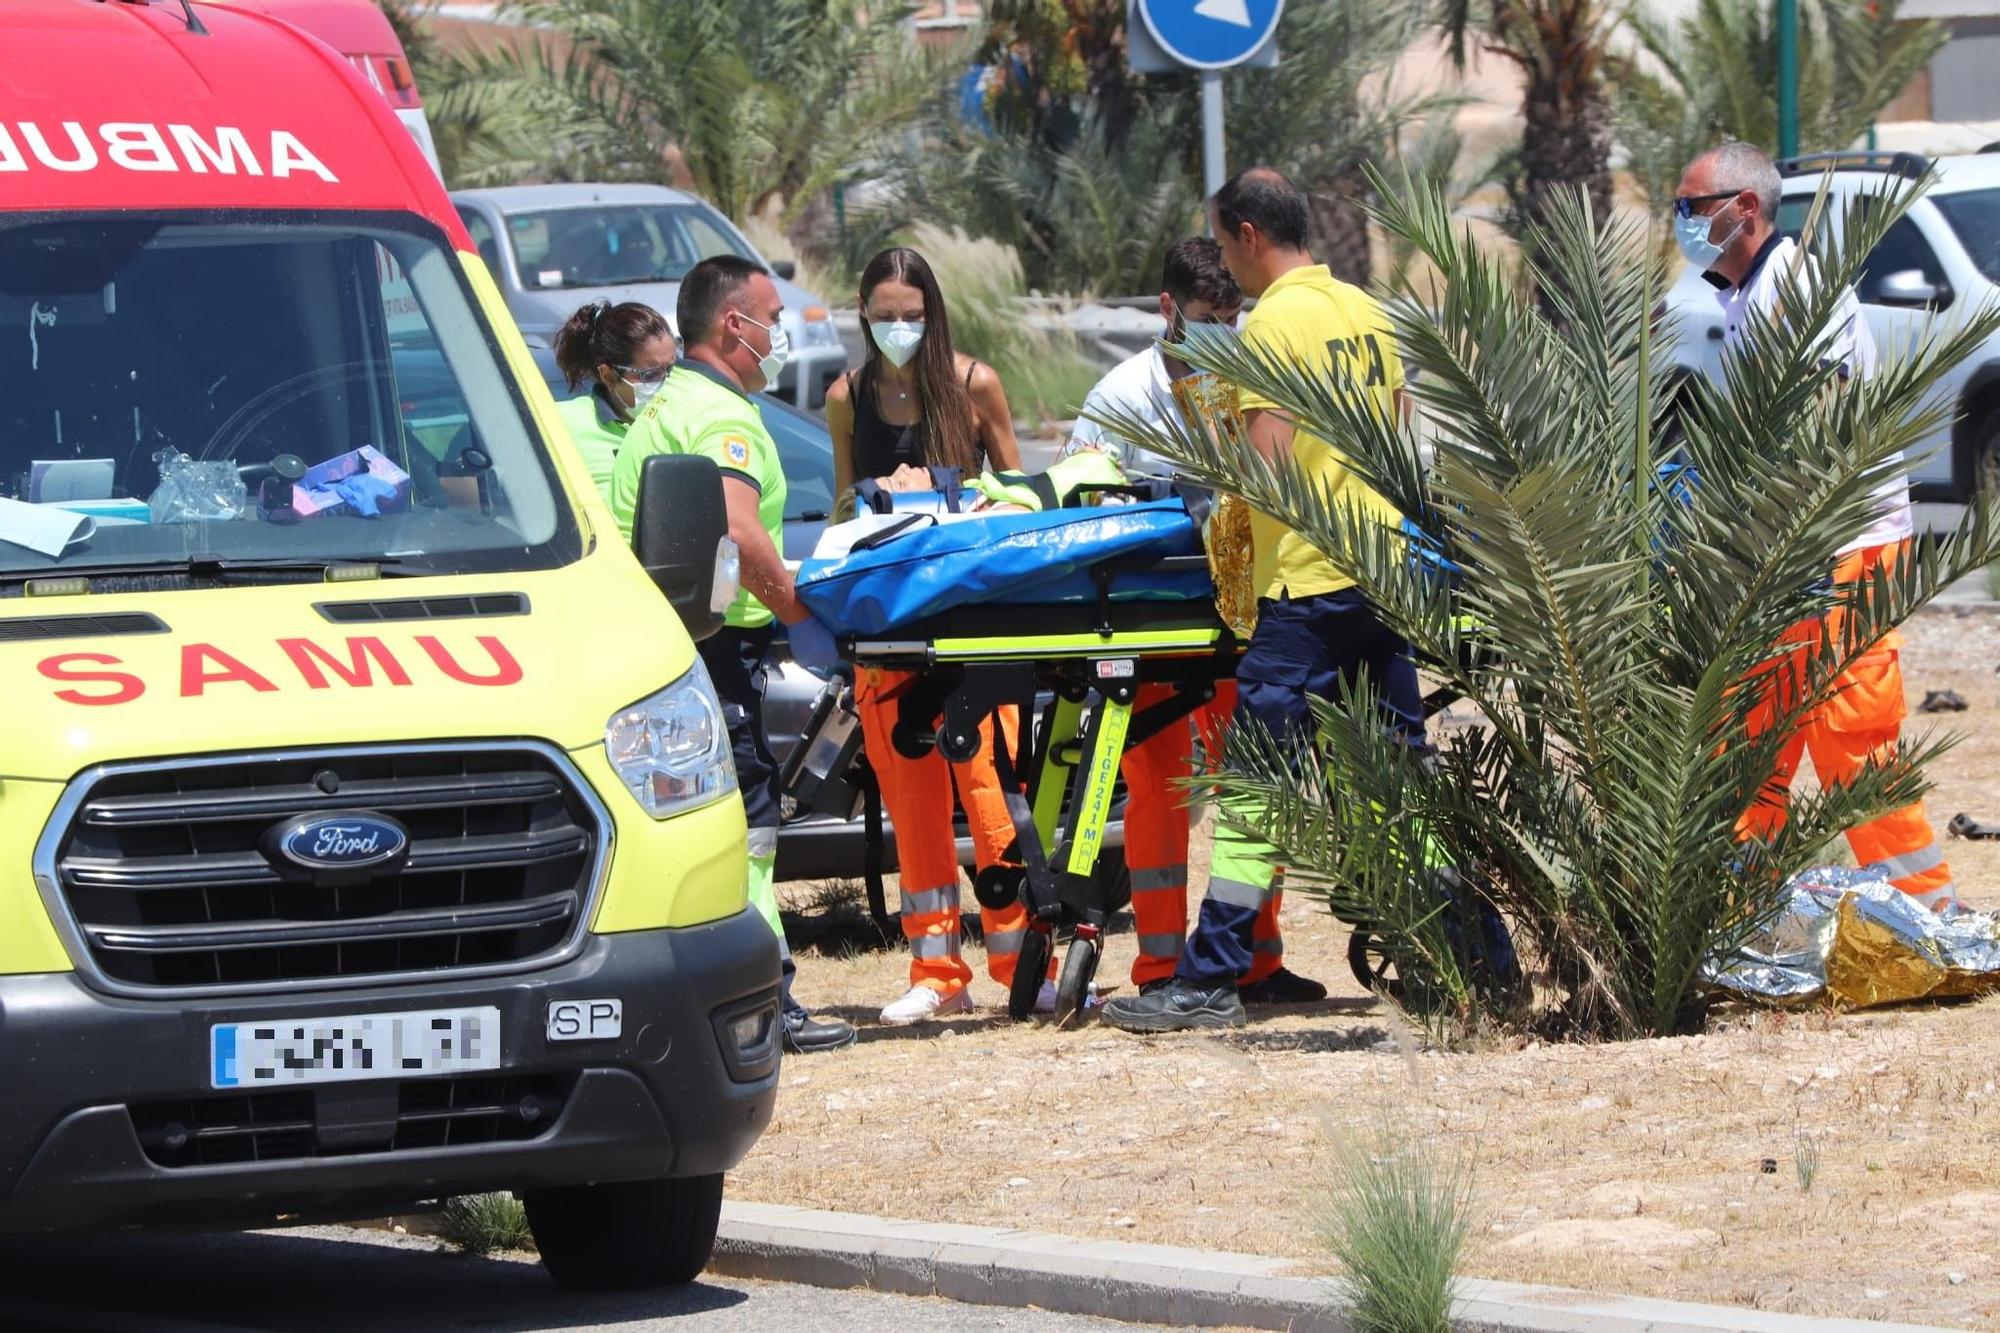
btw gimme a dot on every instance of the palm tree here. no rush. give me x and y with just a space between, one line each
1713 76
765 105
1561 48
1083 216
1626 619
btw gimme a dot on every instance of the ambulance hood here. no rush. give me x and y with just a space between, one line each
548 656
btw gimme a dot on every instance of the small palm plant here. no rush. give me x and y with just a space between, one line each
1613 626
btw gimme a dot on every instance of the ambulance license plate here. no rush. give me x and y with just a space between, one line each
288 1053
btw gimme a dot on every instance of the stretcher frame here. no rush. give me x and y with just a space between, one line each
1091 658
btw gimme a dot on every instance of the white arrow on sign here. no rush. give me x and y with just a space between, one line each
1225 11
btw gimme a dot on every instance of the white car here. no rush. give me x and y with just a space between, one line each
552 248
1940 260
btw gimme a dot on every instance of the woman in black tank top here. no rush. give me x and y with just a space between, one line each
915 402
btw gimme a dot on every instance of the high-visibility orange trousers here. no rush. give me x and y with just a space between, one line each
917 795
1156 840
1860 722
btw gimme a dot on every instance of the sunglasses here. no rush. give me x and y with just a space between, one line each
1685 205
650 375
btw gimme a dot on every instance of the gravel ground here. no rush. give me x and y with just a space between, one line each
1634 1167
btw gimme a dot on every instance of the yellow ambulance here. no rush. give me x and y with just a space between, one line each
368 830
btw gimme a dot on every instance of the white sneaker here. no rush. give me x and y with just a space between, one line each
923 1002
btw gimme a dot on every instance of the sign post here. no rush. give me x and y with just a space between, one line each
1211 36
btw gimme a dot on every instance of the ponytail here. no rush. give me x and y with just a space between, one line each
602 334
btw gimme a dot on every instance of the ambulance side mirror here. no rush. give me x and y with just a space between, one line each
680 522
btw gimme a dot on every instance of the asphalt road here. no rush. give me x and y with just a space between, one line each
335 1279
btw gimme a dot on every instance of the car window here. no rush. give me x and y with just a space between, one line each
1974 216
617 245
1901 249
481 231
1792 215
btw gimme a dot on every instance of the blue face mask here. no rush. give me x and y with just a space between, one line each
1691 234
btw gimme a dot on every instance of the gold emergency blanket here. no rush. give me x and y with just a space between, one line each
1852 938
1208 404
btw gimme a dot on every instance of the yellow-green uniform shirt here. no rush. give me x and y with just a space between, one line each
597 434
697 411
1310 317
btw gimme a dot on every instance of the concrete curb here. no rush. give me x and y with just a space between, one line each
1160 1284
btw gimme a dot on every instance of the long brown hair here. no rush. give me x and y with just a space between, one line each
950 435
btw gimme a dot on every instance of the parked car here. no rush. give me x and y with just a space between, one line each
1942 258
813 846
552 248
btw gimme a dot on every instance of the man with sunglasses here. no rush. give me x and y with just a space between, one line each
1725 222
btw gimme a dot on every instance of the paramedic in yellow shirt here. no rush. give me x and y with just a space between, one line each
1315 632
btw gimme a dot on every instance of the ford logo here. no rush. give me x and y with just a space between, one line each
347 841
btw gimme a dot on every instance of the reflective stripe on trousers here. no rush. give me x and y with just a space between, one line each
917 794
1863 720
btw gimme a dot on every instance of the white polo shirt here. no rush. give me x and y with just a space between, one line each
1848 344
1138 386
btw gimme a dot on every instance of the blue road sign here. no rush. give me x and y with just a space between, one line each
1210 34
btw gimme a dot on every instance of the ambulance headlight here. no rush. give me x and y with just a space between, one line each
671 750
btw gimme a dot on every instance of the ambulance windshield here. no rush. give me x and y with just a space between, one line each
258 390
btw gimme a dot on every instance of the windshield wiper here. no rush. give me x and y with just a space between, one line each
388 567
225 567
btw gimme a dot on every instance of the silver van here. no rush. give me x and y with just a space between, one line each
553 248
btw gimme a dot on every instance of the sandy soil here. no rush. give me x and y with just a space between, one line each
1639 1167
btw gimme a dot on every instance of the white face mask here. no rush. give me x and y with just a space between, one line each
641 395
898 339
773 361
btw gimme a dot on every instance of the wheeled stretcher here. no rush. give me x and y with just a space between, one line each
980 627
1088 660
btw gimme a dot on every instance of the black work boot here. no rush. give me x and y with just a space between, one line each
1178 1006
806 1035
1283 986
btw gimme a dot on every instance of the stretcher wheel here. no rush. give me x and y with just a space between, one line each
1369 959
999 886
1073 988
959 747
1029 970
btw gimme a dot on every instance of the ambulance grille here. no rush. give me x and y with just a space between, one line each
169 876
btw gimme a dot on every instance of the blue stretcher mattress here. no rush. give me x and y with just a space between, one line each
1007 559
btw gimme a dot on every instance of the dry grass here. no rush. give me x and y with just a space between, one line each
1635 1167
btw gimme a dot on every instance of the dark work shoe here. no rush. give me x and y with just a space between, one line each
806 1035
1177 1007
1283 986
1154 986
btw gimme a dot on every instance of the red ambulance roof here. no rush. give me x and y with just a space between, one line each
106 104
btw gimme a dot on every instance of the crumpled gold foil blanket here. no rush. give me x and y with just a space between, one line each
1208 404
1852 938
